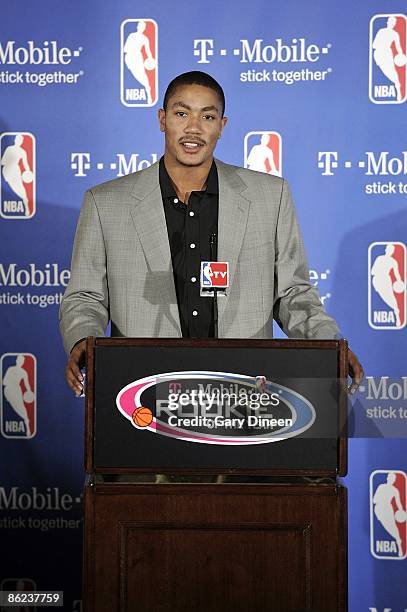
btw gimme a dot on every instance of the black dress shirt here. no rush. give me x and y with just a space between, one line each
190 228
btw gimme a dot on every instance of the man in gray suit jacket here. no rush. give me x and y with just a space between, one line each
127 267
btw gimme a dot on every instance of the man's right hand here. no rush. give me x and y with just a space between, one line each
73 373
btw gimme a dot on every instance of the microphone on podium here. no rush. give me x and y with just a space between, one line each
214 280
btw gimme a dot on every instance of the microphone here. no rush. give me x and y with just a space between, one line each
214 247
214 279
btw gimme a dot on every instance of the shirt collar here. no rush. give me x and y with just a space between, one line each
167 189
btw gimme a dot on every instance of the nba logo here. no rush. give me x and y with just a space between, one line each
17 176
18 396
138 62
262 152
387 285
388 59
388 516
214 274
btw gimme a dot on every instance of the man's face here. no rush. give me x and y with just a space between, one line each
192 124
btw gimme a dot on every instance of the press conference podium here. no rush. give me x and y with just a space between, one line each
164 535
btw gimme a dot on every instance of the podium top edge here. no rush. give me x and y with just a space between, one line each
220 342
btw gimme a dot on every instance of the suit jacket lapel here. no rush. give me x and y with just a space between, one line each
233 213
149 220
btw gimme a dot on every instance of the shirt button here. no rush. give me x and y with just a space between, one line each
193 279
195 313
176 200
192 245
191 214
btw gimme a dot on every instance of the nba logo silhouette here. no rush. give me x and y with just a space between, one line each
388 516
138 63
18 395
214 274
387 285
17 175
262 152
388 59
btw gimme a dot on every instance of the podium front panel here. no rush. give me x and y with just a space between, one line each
187 406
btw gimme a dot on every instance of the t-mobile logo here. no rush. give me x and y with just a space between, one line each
327 160
203 48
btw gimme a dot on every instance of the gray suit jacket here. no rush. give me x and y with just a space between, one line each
121 265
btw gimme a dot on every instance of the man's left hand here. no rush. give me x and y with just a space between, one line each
355 372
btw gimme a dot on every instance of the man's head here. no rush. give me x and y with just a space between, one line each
195 77
391 478
192 118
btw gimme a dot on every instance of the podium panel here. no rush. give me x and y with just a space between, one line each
215 548
268 406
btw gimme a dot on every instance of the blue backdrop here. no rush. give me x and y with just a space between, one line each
320 89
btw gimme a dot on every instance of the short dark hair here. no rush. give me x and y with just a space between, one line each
195 77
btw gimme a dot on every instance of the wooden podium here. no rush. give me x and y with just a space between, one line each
271 533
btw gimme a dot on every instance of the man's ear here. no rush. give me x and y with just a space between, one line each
224 122
161 119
